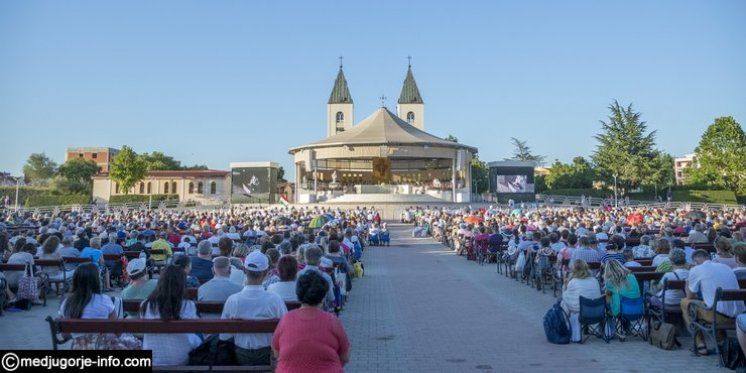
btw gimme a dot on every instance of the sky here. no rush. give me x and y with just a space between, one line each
214 82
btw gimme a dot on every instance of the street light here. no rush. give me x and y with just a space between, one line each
616 199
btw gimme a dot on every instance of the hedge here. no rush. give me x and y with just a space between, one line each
710 196
57 200
24 192
129 198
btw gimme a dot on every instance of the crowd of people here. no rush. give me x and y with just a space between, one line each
254 260
565 242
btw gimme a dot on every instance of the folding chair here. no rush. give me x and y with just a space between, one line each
631 318
593 318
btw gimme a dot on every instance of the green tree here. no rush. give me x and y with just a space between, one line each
451 138
39 169
522 152
159 161
624 148
720 157
662 173
127 168
75 176
479 175
577 175
195 167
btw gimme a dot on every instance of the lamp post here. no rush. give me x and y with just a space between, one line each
616 199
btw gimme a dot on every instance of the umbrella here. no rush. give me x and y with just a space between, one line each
318 222
473 219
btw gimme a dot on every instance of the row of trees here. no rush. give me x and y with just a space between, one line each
626 153
75 175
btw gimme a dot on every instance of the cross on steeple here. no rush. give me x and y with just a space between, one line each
409 58
383 100
340 61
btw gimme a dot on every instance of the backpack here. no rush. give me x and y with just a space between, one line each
731 355
556 325
663 336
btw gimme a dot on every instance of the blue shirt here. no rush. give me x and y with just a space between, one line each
94 254
201 268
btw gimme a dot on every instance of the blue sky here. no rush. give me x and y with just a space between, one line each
219 81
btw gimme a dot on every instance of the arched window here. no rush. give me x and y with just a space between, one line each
165 188
199 188
340 117
410 117
142 188
173 188
191 187
213 187
116 188
149 186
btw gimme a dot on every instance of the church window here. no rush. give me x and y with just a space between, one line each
410 117
191 188
199 188
165 188
213 188
340 117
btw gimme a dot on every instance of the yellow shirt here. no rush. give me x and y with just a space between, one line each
161 244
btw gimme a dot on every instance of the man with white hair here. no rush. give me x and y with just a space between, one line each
697 234
220 287
313 254
202 263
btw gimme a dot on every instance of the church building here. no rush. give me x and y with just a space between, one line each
386 157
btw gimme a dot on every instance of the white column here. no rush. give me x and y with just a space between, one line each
453 178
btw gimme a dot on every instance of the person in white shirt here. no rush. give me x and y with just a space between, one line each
706 277
253 303
166 303
287 268
582 284
678 272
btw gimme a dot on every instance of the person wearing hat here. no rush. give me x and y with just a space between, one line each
220 287
140 285
253 303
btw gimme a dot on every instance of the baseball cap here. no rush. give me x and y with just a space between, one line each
136 266
256 261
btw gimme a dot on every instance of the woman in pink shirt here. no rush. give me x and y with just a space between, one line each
309 339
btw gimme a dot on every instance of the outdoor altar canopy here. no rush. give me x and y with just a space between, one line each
383 154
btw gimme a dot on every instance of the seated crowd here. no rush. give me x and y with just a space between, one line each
254 262
595 253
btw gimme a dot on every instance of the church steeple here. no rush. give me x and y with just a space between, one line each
410 106
340 106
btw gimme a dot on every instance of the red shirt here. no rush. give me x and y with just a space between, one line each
310 340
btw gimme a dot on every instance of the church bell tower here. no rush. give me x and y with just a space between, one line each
410 106
339 114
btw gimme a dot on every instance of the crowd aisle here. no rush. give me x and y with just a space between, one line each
420 308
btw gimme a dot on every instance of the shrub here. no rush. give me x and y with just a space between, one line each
129 198
57 200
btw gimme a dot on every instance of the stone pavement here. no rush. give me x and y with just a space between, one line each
420 308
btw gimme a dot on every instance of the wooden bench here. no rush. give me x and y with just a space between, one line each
203 307
59 264
666 311
641 269
131 254
645 261
59 328
76 260
710 329
710 248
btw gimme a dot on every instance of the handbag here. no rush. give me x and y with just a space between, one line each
663 336
28 289
212 352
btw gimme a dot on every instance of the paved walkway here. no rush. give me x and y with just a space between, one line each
420 308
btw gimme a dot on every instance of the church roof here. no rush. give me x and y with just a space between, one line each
383 128
409 92
340 92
